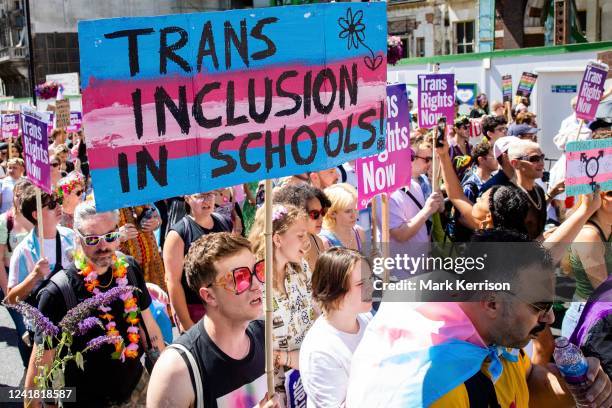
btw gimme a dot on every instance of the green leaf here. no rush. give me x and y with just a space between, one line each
79 360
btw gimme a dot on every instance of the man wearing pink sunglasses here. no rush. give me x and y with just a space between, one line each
219 361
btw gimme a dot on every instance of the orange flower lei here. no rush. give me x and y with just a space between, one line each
130 305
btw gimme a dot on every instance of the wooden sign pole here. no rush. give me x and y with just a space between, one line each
385 235
39 219
269 340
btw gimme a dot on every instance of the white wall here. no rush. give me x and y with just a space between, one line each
561 69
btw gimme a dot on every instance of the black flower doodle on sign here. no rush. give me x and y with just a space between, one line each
380 143
353 29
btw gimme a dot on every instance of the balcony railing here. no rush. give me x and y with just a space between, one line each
9 53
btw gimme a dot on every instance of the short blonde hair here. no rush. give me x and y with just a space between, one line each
342 197
16 160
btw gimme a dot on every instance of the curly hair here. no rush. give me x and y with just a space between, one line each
299 195
508 208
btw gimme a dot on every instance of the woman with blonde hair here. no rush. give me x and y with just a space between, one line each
342 286
294 311
340 222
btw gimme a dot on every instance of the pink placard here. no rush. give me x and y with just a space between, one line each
391 169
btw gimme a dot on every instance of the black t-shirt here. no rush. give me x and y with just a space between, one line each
536 218
190 231
221 374
104 379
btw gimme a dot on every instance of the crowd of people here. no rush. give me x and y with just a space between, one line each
196 264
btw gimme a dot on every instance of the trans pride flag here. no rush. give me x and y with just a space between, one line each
179 104
414 353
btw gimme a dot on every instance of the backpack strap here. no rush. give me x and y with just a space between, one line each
60 279
194 372
10 224
428 223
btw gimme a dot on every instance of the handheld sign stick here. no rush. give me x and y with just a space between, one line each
39 220
269 307
385 233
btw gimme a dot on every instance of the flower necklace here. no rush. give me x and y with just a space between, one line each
130 305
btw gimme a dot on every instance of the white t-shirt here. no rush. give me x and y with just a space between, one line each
7 194
325 361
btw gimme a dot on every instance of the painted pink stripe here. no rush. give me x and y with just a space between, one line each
590 153
600 178
104 93
104 156
114 126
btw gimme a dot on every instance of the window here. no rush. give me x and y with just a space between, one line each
404 47
420 47
464 36
581 17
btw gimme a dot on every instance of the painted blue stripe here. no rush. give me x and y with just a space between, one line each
306 34
184 176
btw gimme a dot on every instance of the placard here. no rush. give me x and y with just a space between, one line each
589 163
507 88
10 125
436 99
391 169
221 99
69 82
591 90
76 120
526 84
62 113
35 147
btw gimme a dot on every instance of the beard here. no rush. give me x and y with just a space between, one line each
102 258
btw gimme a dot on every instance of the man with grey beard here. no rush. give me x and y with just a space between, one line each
113 375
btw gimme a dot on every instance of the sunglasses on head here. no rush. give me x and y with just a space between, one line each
533 159
93 240
241 279
315 214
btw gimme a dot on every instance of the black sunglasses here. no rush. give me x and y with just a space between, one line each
533 159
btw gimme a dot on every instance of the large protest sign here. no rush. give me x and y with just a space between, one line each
526 84
507 88
10 125
76 120
391 169
35 145
220 99
591 89
436 98
589 163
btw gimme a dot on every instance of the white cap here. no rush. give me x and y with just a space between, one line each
502 144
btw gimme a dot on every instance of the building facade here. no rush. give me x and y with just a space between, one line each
438 27
54 32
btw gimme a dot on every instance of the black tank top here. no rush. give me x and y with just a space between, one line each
190 231
221 374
